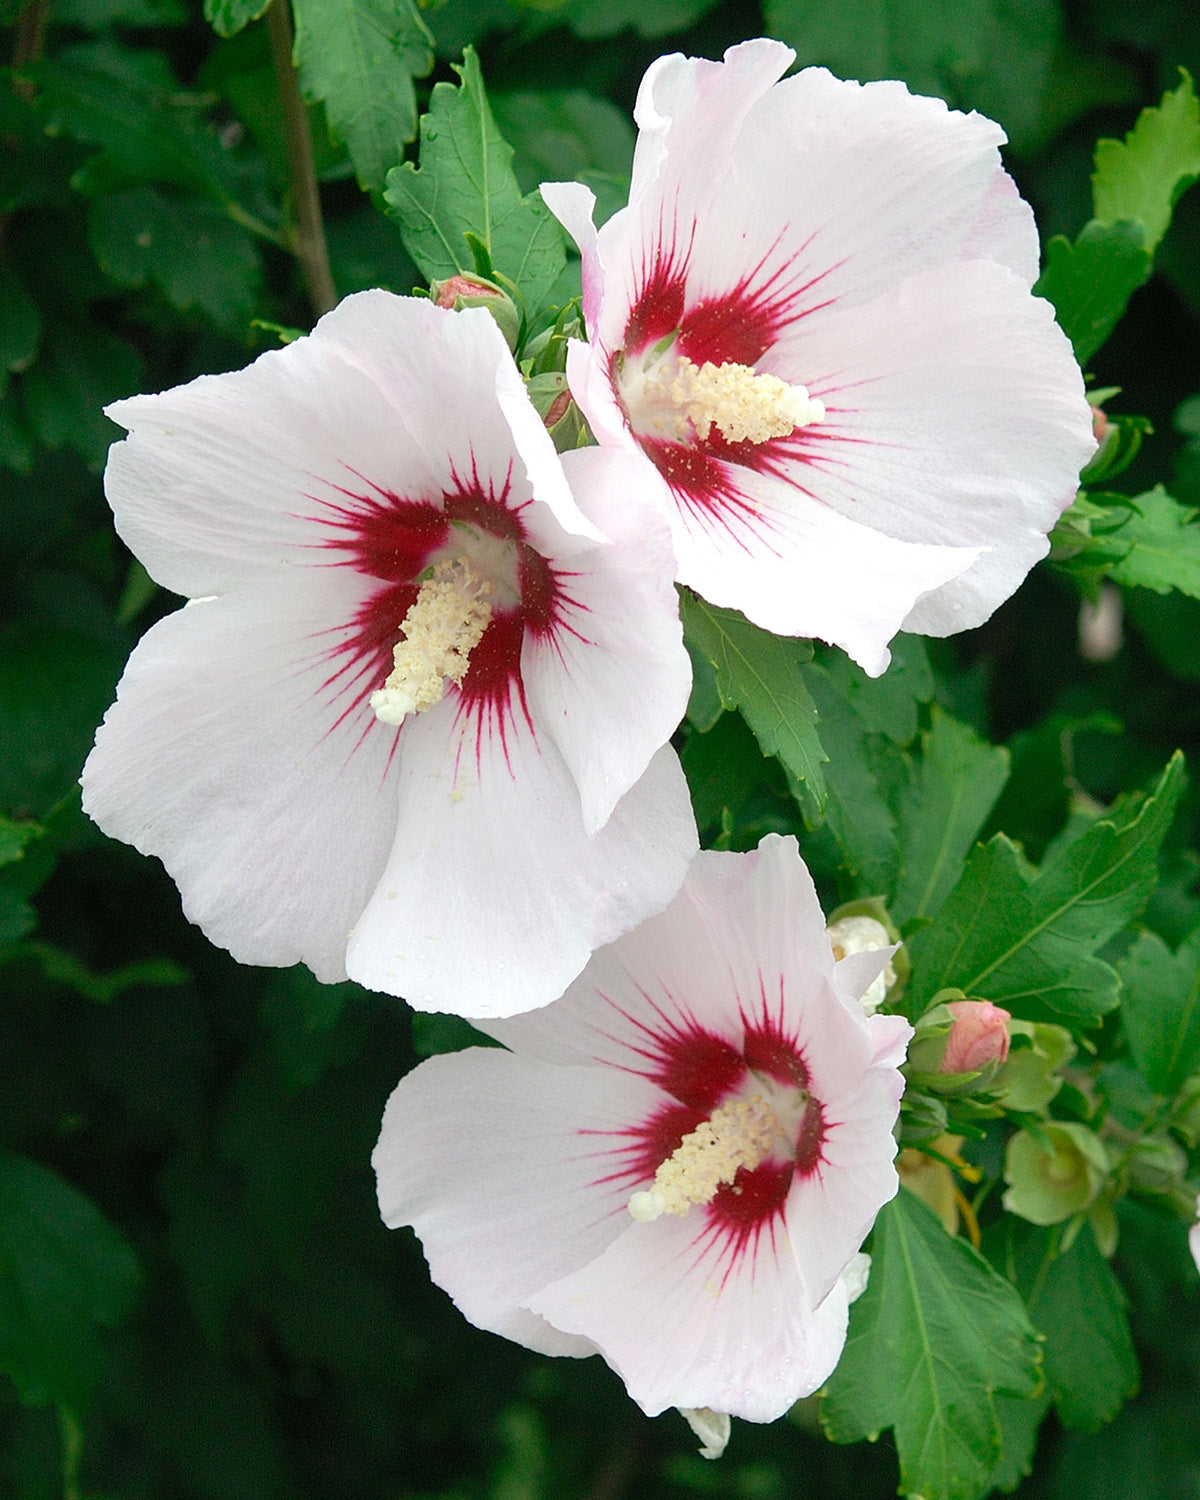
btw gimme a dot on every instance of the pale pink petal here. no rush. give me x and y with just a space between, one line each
441 367
574 206
857 972
611 683
219 480
796 566
955 415
685 1321
234 754
702 966
505 1169
856 1175
494 896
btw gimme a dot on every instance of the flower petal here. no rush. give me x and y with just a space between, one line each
499 1164
686 1322
956 415
224 756
611 683
494 895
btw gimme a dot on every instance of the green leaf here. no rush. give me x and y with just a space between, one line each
359 57
195 254
600 18
1160 1010
889 704
1144 176
724 768
465 185
1161 542
14 835
313 1026
941 812
61 967
934 1338
759 674
148 129
1076 1303
20 322
557 135
856 810
81 369
65 1273
1091 281
1026 940
227 17
53 692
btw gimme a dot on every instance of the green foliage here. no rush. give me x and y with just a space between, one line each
1136 185
1160 1010
228 17
934 1338
359 58
760 674
1076 1304
1143 177
465 184
1149 541
1027 940
65 1274
941 812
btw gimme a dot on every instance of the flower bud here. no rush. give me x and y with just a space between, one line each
1054 1174
853 930
554 403
978 1035
465 290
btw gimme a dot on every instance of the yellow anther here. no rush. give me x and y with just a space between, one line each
738 1134
744 406
444 624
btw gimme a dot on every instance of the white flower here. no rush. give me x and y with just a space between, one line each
814 319
414 727
676 1164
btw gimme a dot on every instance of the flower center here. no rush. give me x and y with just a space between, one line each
681 401
738 1134
444 623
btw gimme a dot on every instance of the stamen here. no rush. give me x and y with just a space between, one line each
444 624
739 1134
688 400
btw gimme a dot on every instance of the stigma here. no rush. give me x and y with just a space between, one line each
683 401
738 1134
444 624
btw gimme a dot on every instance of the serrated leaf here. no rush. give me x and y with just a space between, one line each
1090 282
759 675
195 254
228 17
1162 545
465 185
1027 940
359 58
933 1339
1160 1009
1143 176
889 704
941 812
65 1273
1077 1304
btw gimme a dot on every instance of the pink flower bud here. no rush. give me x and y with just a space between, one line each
978 1036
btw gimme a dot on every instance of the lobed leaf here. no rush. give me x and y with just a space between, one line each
1143 177
359 58
1027 939
1091 281
937 1334
465 185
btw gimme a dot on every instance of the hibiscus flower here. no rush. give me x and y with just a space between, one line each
413 726
676 1164
814 321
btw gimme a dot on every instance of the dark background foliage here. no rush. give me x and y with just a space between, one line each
197 1300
